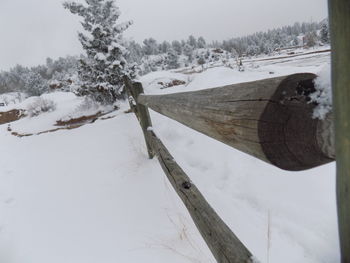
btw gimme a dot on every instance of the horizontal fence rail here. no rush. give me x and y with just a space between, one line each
270 119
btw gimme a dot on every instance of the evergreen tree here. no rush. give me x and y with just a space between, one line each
135 52
192 41
324 33
201 61
310 39
172 59
188 51
35 84
177 46
165 46
201 42
150 47
101 72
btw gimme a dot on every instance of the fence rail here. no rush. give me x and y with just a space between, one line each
270 119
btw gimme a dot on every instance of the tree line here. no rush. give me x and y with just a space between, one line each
109 56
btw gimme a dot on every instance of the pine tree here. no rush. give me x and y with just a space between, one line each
177 46
311 38
34 84
172 59
101 72
192 41
324 33
188 51
201 42
150 47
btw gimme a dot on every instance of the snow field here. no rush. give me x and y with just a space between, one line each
92 195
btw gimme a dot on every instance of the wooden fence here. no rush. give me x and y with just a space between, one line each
222 242
270 119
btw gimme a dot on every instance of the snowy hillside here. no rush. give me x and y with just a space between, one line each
91 194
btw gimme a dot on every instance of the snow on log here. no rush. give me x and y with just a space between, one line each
270 119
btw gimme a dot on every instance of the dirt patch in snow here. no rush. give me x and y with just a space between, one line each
10 116
175 82
69 124
80 120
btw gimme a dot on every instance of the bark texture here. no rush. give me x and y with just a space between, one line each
270 119
222 242
339 13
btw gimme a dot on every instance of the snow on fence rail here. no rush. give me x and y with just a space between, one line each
270 119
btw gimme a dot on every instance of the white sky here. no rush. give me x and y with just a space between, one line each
32 30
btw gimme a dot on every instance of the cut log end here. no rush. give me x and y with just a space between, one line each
290 137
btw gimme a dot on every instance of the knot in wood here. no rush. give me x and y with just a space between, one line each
186 185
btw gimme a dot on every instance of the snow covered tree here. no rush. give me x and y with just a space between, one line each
165 46
201 61
176 45
310 39
135 52
34 84
150 46
324 33
101 72
201 42
188 51
172 59
192 41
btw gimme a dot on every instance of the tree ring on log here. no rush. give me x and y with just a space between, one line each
287 131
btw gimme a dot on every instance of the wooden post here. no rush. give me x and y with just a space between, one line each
222 242
128 87
270 119
339 13
135 89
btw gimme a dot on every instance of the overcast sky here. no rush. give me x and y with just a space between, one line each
32 30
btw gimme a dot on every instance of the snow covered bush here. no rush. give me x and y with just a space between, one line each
40 105
12 98
87 105
322 97
101 72
172 59
35 84
153 63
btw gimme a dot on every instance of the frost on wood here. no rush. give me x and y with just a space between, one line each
323 94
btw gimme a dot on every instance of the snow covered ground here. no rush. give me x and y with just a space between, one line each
91 194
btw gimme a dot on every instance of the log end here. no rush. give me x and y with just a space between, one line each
290 137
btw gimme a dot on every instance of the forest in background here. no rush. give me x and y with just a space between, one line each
151 55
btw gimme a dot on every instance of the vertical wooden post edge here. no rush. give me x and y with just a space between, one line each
339 15
134 89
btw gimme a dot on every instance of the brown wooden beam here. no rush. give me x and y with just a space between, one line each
134 89
222 242
339 14
270 119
